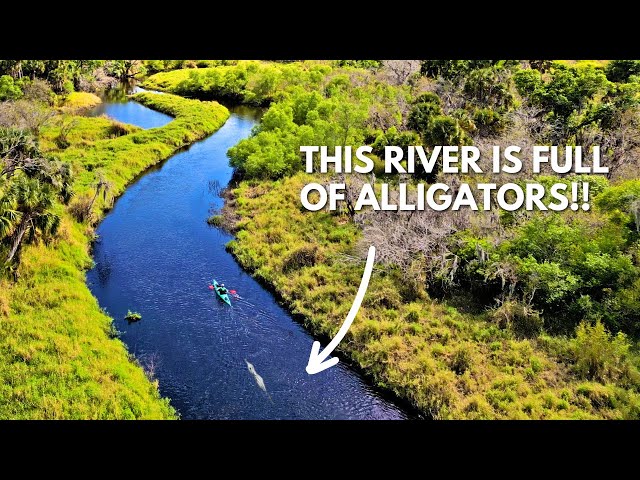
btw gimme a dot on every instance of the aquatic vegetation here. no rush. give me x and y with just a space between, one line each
132 316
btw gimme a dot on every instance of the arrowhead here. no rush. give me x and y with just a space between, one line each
316 363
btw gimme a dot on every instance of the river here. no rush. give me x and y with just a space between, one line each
156 255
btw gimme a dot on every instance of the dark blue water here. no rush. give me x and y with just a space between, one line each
156 255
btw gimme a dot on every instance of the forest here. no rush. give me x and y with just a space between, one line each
474 315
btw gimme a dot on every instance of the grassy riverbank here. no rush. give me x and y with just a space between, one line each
58 354
446 363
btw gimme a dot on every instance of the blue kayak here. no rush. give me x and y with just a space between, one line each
223 296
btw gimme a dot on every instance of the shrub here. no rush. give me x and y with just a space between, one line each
520 318
461 360
488 122
621 70
305 256
215 220
80 208
8 89
412 316
422 115
598 354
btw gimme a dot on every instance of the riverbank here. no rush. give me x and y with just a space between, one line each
77 102
445 363
59 355
497 356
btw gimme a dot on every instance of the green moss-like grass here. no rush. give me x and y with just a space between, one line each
58 357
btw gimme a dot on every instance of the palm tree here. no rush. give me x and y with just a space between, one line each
102 186
34 200
9 215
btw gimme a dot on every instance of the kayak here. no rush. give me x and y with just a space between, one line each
223 296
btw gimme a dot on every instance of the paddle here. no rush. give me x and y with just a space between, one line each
232 292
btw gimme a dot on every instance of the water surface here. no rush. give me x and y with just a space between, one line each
157 255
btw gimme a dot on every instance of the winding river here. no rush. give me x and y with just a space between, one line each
156 255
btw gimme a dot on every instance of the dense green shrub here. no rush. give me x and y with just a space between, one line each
598 355
621 70
567 90
9 89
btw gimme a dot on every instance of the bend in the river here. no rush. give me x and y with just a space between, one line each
156 255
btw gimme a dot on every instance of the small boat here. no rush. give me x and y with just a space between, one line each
223 296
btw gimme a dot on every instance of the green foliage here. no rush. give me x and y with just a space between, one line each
304 118
547 272
445 130
372 64
522 319
244 82
215 220
9 89
598 355
311 104
132 316
490 88
64 75
422 115
622 70
451 69
435 128
567 90
125 69
564 267
489 122
392 137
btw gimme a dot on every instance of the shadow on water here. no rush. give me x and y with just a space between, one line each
156 255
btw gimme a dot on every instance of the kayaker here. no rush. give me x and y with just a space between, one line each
222 289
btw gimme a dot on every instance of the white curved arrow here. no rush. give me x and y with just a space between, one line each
317 361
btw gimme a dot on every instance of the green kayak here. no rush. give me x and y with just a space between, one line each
223 296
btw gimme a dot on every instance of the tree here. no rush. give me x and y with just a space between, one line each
620 143
451 69
8 214
422 115
400 70
82 208
621 70
490 87
34 200
32 184
614 125
24 114
541 65
39 90
125 69
18 151
9 90
102 187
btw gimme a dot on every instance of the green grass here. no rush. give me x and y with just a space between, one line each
58 357
447 364
247 81
79 101
84 131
